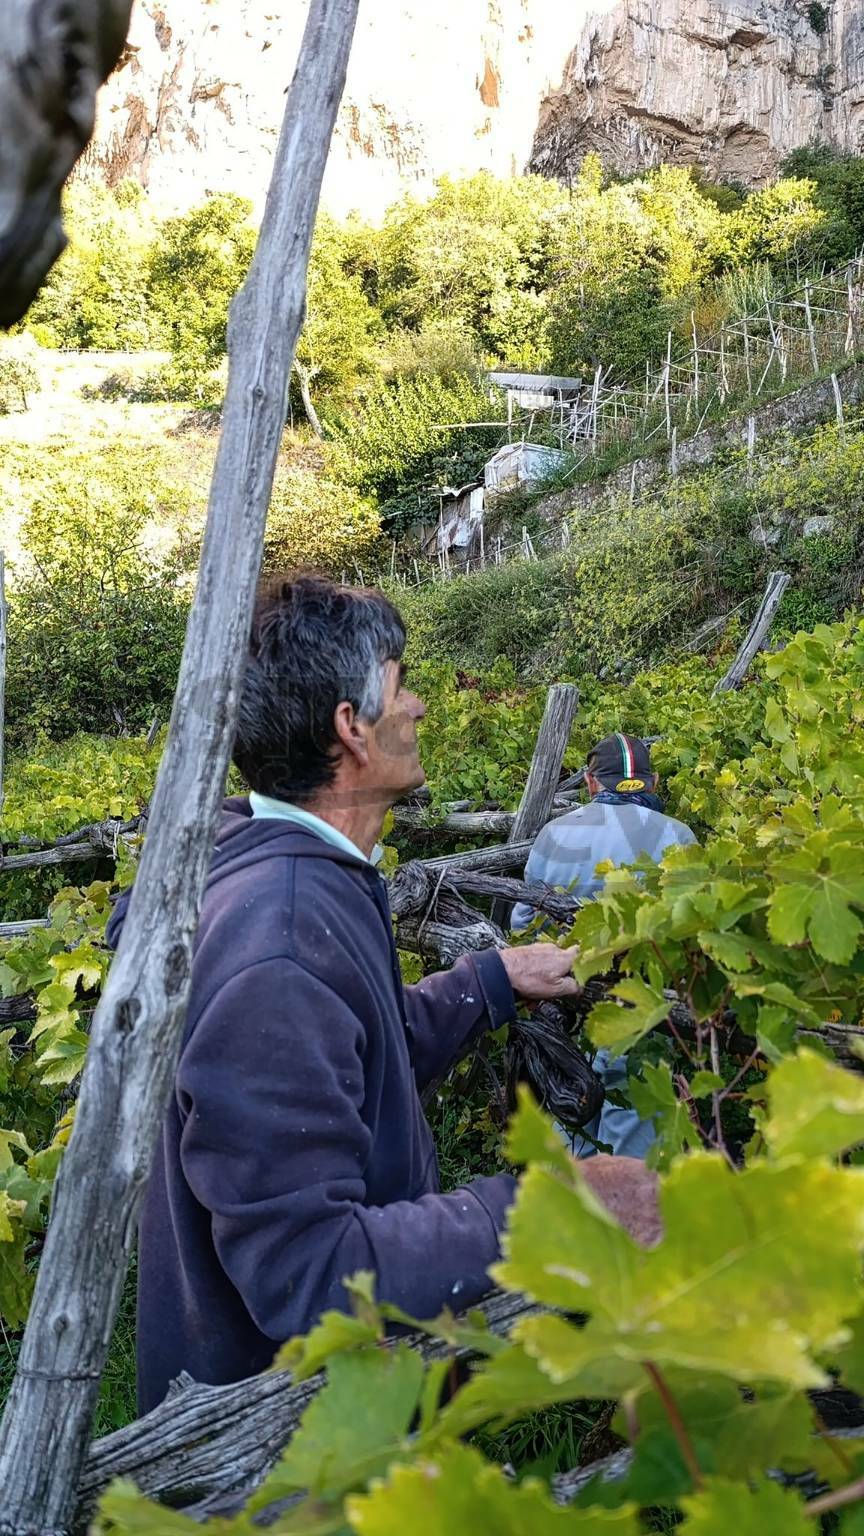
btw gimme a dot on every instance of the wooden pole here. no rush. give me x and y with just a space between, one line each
673 453
808 312
535 807
757 634
850 327
595 397
4 612
747 358
774 346
137 1026
838 405
695 358
666 381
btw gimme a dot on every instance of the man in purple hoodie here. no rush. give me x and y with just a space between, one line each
295 1151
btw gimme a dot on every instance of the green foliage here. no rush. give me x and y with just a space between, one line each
517 612
396 448
196 266
818 15
781 224
474 255
816 1109
839 183
673 1333
475 740
96 298
315 519
97 617
19 378
337 345
638 578
64 965
776 777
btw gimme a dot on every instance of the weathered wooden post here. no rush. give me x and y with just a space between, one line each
667 376
137 1025
53 56
535 807
3 628
757 634
838 406
811 332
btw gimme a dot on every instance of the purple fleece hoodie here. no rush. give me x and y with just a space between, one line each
295 1150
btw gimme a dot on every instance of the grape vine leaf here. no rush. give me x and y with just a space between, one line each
616 1027
732 1256
816 1107
335 1334
817 888
731 1437
337 1447
125 1511
512 1384
724 1506
654 1098
457 1490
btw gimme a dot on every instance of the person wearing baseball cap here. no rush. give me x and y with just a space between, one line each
623 819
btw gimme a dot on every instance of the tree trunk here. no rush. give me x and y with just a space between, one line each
305 380
137 1026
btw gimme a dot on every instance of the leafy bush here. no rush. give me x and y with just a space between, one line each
195 267
316 520
19 378
96 617
96 298
337 346
515 612
818 15
474 255
404 443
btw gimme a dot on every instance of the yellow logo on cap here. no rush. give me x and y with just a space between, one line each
629 785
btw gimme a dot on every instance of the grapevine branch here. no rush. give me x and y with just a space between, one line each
679 1428
837 1499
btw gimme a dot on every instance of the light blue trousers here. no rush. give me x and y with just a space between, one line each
621 1129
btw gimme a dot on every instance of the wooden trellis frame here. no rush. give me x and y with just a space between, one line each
137 1025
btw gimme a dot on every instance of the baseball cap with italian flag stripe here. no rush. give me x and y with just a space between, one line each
622 763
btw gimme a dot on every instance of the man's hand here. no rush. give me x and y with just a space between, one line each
540 971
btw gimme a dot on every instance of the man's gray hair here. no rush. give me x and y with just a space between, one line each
313 646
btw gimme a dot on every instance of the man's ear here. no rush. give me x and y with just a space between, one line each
352 732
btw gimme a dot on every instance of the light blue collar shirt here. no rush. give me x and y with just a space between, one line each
281 810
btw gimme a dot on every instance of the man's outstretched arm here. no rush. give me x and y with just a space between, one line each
449 1010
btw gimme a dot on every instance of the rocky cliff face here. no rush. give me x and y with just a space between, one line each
468 84
432 88
733 85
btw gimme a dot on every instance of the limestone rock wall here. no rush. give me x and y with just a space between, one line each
433 88
732 85
460 85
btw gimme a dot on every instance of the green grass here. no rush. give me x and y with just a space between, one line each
117 1405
